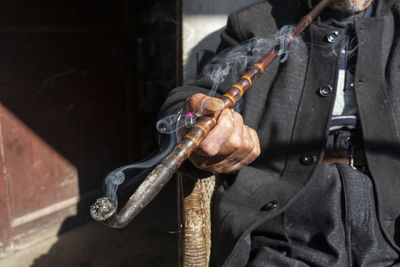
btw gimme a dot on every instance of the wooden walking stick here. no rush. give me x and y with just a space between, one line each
105 210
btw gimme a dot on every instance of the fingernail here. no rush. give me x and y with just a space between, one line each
213 104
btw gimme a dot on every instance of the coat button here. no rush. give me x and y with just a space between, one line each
325 90
308 160
270 206
333 36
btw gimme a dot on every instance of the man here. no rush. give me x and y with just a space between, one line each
310 169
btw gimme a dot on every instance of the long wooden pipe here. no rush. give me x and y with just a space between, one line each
105 210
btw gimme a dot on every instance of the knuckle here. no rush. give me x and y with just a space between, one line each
235 143
258 148
254 136
252 131
248 144
249 147
237 117
225 129
208 149
228 123
256 152
226 119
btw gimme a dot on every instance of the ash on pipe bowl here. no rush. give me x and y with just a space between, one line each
103 209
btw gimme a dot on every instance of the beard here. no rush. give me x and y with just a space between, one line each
350 6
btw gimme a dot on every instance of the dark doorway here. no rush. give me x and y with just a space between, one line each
80 86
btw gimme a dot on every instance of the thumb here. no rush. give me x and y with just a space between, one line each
211 104
201 105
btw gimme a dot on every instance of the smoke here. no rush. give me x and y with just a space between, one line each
173 123
168 126
339 47
115 178
234 62
229 63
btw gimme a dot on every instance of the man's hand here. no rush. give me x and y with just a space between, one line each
228 147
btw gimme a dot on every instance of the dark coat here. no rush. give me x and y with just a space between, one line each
292 120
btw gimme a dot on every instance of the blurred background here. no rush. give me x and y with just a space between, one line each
80 86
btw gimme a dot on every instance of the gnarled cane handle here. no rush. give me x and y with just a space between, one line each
105 210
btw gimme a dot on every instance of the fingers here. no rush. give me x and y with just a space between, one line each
250 157
228 147
212 143
236 140
203 105
247 153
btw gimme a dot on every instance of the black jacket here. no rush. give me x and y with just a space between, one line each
292 120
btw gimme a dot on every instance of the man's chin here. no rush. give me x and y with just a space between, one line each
350 6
